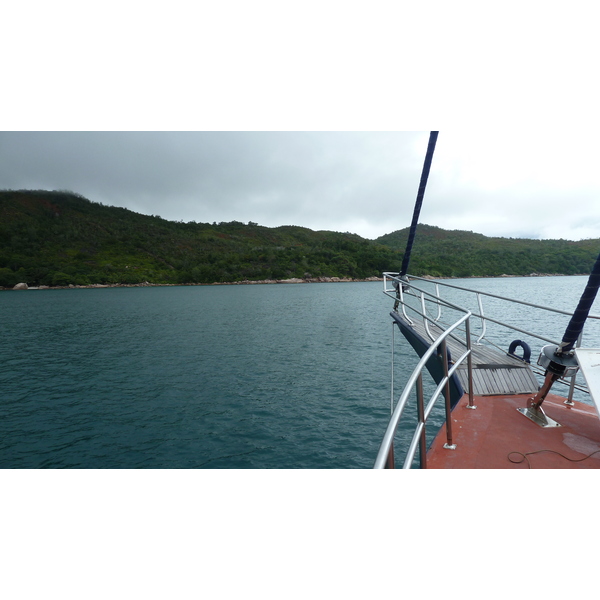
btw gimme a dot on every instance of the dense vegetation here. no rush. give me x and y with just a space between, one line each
442 253
61 238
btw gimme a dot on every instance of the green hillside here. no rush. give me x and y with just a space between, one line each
61 238
443 253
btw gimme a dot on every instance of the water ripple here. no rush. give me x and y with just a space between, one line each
195 377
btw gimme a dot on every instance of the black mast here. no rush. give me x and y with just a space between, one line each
413 228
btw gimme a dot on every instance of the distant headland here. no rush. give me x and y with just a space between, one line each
61 240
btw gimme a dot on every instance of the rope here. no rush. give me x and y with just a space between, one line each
526 454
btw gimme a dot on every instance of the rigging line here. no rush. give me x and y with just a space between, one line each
526 454
421 193
575 326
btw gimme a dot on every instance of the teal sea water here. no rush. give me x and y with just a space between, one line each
266 376
220 377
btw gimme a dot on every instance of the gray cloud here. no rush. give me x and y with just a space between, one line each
364 182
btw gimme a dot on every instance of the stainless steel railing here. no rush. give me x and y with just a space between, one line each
394 287
393 279
385 454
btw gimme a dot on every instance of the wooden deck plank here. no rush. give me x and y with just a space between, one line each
505 379
485 381
513 382
494 377
494 372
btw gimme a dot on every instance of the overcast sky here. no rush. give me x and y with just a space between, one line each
498 184
509 88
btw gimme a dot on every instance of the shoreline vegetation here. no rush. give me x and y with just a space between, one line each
24 286
59 240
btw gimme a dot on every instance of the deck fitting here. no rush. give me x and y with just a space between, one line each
539 417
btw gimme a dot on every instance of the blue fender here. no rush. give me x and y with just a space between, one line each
526 350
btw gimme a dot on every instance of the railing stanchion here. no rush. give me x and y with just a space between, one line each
392 391
569 400
421 416
439 304
390 463
444 350
425 317
401 290
469 362
483 323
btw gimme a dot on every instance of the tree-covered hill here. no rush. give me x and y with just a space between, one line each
439 252
61 238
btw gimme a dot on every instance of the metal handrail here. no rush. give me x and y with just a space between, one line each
388 438
483 322
439 304
437 300
391 275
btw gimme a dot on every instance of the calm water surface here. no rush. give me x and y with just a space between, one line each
216 377
265 376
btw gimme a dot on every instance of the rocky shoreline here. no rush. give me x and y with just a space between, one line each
24 286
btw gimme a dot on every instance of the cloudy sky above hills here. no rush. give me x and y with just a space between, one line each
314 114
498 184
